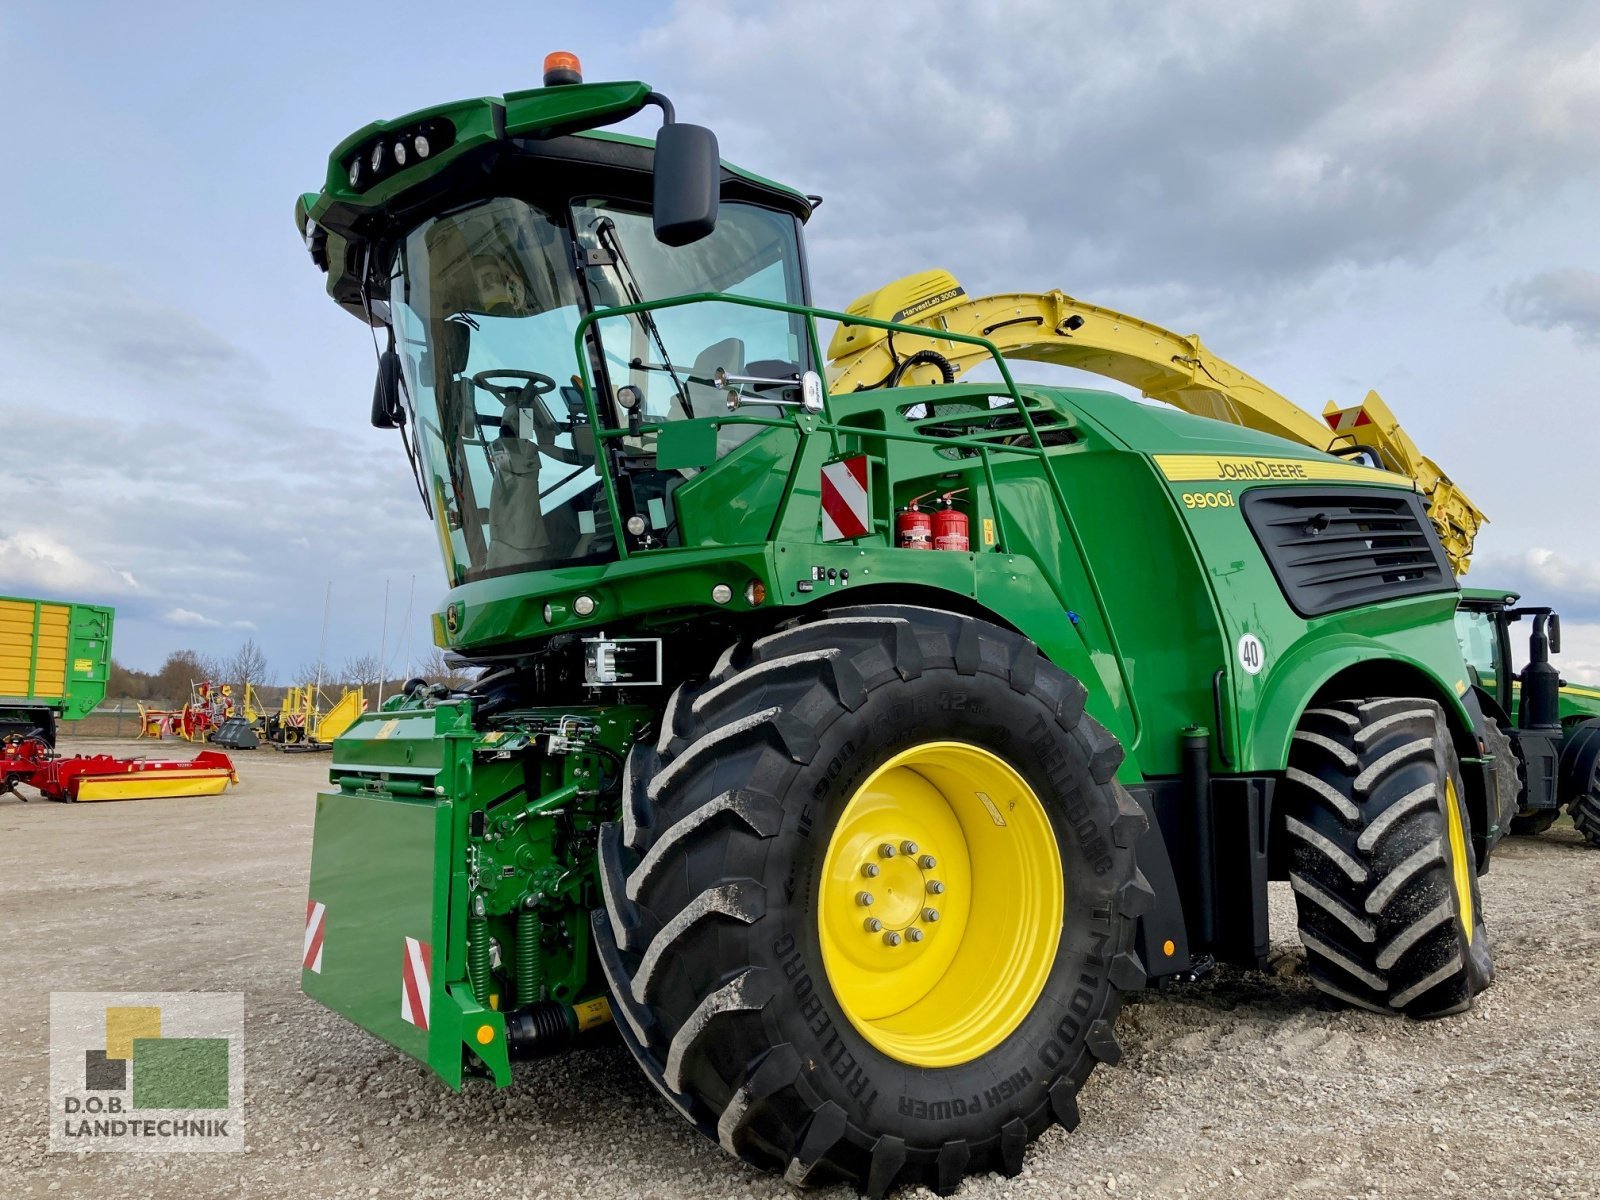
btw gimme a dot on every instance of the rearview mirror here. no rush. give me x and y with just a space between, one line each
688 179
1555 633
387 411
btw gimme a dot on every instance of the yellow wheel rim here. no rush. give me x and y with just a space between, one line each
1459 864
941 904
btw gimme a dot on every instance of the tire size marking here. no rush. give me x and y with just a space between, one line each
1208 500
1252 655
829 774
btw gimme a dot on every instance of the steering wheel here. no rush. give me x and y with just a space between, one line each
534 384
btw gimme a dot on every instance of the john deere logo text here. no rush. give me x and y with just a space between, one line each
159 1071
1261 468
1250 468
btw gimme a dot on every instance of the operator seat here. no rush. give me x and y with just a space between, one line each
520 531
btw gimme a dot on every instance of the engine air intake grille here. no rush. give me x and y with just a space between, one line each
1332 550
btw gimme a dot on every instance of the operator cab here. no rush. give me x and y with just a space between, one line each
484 254
486 302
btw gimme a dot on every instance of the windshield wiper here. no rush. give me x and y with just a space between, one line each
606 231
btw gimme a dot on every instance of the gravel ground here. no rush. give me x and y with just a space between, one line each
1243 1085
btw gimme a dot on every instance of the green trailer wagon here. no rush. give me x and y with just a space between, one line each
55 658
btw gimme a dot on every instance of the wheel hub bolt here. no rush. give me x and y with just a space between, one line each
908 847
870 870
864 899
891 938
927 862
872 924
886 850
914 934
935 888
930 914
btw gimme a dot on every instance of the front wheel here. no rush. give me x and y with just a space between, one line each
1381 861
869 915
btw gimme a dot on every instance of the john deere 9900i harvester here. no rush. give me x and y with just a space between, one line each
856 753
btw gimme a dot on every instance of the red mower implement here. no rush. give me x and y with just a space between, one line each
83 777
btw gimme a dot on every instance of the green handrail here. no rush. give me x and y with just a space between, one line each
826 424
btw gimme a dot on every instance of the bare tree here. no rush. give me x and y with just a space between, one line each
177 676
364 671
247 668
308 673
437 667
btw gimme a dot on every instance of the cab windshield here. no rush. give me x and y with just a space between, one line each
485 303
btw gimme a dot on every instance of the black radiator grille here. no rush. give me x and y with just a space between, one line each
1332 550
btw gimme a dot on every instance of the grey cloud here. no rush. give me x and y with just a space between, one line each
1567 298
93 318
231 524
1543 576
1218 146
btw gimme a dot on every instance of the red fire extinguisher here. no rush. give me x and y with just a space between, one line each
950 525
913 528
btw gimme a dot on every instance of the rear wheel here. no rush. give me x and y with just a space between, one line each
1508 782
35 722
1585 810
1534 821
1580 777
870 913
1381 859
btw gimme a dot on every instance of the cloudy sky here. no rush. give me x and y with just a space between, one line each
1335 196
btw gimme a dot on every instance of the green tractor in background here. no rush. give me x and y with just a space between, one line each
859 819
1548 729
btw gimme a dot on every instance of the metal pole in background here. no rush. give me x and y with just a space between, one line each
410 600
322 657
383 644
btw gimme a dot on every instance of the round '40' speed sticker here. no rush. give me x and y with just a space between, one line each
1252 656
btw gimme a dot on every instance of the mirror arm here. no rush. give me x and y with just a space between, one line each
668 116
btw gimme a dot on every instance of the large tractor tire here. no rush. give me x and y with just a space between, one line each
30 722
1585 812
1508 785
1380 859
869 915
1580 777
1534 821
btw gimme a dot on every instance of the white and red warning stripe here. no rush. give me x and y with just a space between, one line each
316 923
1345 419
415 988
846 512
